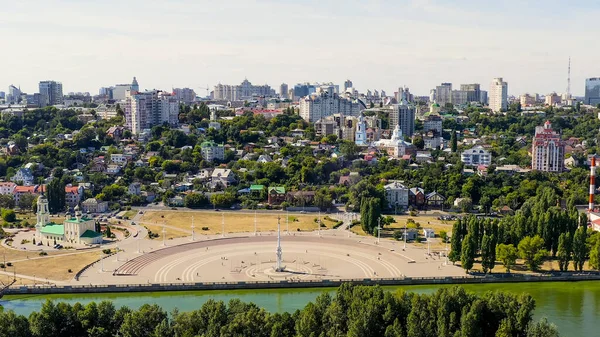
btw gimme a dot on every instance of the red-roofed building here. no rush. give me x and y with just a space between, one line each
22 190
7 188
73 195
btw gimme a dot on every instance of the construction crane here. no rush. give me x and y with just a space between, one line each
207 90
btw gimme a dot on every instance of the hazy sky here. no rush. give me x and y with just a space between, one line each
378 44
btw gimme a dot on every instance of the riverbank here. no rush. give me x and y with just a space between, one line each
284 284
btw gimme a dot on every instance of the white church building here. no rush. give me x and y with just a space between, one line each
75 230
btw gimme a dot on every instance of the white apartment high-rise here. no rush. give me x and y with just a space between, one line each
403 114
498 95
184 95
51 93
14 95
548 150
326 103
144 110
443 94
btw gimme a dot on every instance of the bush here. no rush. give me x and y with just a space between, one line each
106 251
70 271
205 228
9 264
8 215
398 235
2 265
43 253
338 224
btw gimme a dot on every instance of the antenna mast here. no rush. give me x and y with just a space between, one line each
569 79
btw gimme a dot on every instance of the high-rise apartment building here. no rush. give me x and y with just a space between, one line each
552 99
443 94
51 93
347 85
245 90
283 91
592 91
144 110
473 92
14 95
326 103
548 150
403 114
460 97
498 95
528 100
184 95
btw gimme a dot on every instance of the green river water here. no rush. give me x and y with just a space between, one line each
573 306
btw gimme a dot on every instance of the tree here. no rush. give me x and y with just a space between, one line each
531 249
595 256
507 254
26 201
9 215
453 141
468 252
488 252
195 200
564 251
542 329
419 143
580 248
56 195
108 232
7 201
143 322
455 242
370 213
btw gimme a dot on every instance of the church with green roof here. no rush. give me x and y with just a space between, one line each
74 230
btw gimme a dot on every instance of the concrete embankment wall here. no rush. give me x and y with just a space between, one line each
504 278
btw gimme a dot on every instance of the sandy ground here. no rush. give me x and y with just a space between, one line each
179 223
56 267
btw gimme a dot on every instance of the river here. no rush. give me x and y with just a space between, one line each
573 306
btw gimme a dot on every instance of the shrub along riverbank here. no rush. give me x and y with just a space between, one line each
352 311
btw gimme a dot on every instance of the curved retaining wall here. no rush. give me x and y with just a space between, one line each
119 288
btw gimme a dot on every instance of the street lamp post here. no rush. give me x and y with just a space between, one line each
287 221
164 236
193 238
405 235
378 230
255 223
222 225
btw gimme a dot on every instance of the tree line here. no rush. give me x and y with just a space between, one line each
538 231
356 311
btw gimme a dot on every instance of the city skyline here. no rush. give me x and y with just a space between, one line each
271 42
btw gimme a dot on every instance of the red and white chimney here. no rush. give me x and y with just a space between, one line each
592 184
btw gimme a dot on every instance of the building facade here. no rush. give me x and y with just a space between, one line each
51 93
245 90
548 150
212 151
443 94
476 156
326 103
184 95
403 114
283 91
498 95
147 109
592 91
77 229
396 195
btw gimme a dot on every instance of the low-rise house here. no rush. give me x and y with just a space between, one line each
113 169
115 132
134 188
434 199
301 198
416 197
92 205
350 179
423 156
23 175
476 156
73 195
221 177
176 201
118 158
19 191
276 195
264 158
396 195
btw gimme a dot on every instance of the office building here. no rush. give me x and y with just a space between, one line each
305 89
326 103
183 95
548 150
443 94
460 97
483 97
34 100
592 91
477 156
2 95
14 95
143 110
498 95
403 114
51 93
244 91
433 123
283 91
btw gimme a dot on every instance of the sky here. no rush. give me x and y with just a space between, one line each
378 44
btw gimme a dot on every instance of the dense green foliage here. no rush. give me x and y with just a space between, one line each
355 311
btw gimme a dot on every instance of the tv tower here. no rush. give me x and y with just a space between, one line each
569 79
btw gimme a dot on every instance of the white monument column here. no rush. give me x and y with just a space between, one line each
279 253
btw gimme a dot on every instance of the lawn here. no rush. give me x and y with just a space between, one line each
55 267
179 223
